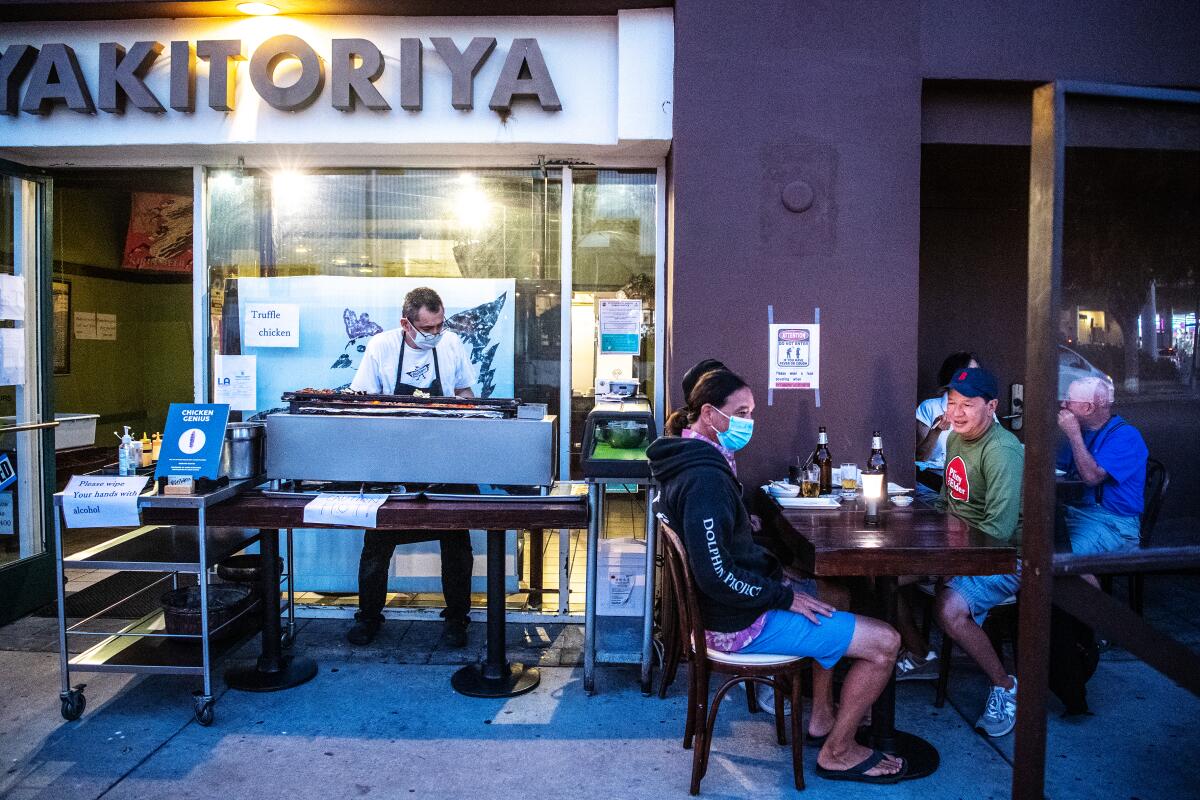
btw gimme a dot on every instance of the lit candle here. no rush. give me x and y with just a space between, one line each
873 490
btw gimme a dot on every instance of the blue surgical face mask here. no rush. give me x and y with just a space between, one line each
737 435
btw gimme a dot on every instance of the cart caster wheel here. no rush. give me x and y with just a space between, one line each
73 703
204 711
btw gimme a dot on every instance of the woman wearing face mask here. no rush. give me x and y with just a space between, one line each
747 604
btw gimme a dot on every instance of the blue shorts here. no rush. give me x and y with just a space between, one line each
790 634
1095 529
982 593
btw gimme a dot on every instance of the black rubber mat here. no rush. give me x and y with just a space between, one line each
104 593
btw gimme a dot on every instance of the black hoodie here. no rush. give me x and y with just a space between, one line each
700 498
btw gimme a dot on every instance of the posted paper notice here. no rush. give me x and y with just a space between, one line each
105 501
85 325
271 325
12 297
7 523
12 356
236 381
106 327
353 510
795 356
620 326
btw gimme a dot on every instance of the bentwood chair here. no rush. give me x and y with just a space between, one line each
1157 482
780 672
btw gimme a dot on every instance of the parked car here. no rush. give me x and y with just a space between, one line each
1072 366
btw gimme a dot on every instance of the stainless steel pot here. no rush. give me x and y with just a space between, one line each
242 451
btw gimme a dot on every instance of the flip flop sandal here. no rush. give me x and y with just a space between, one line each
859 771
814 741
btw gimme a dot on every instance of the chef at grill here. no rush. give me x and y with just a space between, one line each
420 358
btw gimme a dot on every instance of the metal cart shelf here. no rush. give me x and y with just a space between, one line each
143 645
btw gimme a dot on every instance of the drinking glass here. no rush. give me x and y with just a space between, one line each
849 479
810 482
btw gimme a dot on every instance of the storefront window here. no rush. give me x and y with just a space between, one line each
613 249
344 247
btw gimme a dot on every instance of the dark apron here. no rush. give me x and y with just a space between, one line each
407 389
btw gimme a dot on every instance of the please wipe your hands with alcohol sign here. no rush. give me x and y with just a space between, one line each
102 501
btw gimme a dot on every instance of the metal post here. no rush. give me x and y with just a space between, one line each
564 571
648 614
566 272
202 536
291 590
495 664
59 579
1046 159
595 526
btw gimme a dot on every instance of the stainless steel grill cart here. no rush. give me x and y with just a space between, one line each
144 645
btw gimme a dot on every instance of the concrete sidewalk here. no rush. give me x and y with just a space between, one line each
371 725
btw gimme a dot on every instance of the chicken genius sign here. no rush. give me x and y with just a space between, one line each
50 75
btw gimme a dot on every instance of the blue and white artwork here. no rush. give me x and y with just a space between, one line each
339 314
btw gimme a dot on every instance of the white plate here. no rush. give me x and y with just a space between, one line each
895 488
809 502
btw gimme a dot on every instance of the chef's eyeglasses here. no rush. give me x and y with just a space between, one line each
430 330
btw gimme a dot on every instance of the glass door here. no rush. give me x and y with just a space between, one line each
26 421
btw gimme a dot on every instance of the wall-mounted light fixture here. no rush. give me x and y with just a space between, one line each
258 9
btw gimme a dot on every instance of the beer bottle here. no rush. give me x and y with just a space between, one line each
876 461
823 459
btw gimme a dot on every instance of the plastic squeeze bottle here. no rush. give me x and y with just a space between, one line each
147 449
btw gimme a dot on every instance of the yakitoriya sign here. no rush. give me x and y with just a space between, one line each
55 78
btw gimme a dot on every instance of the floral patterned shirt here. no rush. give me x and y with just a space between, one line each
688 433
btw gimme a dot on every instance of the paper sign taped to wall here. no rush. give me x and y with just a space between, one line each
102 501
85 324
12 297
236 381
106 327
795 356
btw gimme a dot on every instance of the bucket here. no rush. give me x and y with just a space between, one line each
242 451
182 607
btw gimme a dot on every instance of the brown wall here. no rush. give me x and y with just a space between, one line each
974 226
831 93
828 94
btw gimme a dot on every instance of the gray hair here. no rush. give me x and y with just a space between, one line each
421 297
1099 390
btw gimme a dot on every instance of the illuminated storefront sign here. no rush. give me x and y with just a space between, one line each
52 76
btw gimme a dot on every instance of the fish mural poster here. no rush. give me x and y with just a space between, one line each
339 314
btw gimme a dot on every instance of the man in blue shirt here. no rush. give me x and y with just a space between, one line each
1109 456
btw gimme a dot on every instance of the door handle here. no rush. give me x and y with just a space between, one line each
31 426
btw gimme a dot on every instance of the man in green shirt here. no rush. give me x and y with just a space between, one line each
982 487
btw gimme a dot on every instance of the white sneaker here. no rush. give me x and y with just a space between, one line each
910 667
1000 715
765 695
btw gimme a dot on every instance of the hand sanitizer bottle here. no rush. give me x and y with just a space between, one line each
126 465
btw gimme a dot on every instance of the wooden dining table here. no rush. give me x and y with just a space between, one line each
916 540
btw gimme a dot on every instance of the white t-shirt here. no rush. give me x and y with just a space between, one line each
377 372
927 412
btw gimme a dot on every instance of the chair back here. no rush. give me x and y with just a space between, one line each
691 627
1157 481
